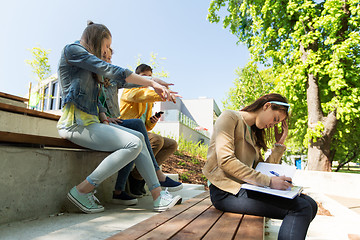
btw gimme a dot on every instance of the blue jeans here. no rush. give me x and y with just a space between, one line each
125 145
296 213
123 174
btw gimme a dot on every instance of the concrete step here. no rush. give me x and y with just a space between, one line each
68 226
19 123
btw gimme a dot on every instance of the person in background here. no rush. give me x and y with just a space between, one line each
80 74
138 103
234 152
111 113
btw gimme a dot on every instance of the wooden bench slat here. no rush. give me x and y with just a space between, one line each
166 231
13 97
200 226
10 137
225 228
149 224
196 219
249 228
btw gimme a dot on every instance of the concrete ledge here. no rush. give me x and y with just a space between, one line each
333 183
34 182
19 123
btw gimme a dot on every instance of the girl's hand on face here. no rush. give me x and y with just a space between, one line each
280 137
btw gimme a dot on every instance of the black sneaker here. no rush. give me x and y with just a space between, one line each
124 199
136 187
171 185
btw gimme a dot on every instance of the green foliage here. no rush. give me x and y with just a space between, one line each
250 84
184 176
181 163
40 63
154 63
41 68
203 177
321 38
313 134
193 149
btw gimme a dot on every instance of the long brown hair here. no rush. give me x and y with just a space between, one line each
92 38
260 134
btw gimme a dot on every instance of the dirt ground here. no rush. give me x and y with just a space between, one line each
189 170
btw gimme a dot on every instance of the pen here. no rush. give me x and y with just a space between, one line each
276 174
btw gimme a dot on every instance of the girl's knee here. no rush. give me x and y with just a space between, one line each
308 206
135 143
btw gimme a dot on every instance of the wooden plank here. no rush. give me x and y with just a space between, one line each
13 97
166 231
10 137
149 224
200 226
225 228
251 228
26 111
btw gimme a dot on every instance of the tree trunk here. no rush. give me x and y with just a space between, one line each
319 154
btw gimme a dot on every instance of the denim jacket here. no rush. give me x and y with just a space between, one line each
76 79
110 98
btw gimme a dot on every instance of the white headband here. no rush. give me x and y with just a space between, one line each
281 103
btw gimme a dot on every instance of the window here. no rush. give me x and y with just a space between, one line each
46 98
54 90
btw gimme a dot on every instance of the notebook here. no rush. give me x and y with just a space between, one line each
270 169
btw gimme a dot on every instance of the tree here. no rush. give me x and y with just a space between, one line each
249 85
41 68
315 52
158 70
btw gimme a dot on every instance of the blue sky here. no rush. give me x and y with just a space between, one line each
201 57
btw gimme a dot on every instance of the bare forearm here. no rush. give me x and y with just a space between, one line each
136 79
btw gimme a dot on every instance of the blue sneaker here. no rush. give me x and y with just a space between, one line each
166 201
124 199
171 185
85 201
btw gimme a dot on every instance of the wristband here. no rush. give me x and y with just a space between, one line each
106 121
279 145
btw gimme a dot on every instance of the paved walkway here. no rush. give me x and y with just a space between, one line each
70 226
80 226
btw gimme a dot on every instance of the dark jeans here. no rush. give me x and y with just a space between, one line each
123 174
296 213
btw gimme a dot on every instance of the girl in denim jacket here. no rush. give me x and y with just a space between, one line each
80 71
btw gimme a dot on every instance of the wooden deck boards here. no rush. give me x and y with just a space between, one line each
196 219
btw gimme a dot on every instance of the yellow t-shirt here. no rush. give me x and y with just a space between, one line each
73 116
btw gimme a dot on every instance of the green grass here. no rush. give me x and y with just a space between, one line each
195 150
346 169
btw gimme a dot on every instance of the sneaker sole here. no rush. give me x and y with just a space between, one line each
81 207
173 189
174 202
125 202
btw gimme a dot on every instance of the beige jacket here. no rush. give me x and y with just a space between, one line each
232 155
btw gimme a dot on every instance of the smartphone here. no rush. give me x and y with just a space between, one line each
158 114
